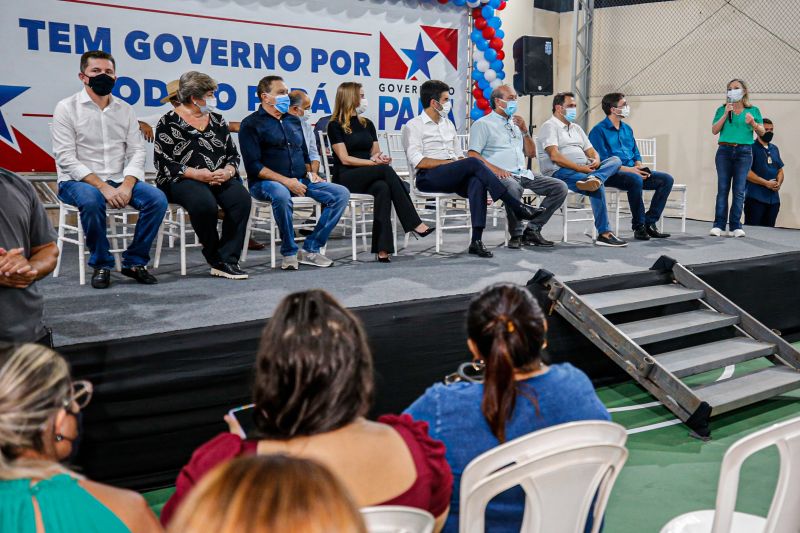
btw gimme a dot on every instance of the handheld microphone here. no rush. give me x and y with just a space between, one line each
730 113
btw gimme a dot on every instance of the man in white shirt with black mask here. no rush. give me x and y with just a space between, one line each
433 150
100 158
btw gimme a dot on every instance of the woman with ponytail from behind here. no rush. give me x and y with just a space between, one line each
39 409
519 394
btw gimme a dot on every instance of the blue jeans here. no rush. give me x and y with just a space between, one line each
597 198
633 184
733 164
334 199
148 200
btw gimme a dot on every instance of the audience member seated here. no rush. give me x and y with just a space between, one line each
501 140
612 137
762 199
278 167
359 165
39 410
568 155
300 107
266 494
518 394
100 158
198 168
313 388
28 253
433 150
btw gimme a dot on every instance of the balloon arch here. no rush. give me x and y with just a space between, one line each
487 59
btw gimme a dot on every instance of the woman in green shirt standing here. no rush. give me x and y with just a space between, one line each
39 407
735 123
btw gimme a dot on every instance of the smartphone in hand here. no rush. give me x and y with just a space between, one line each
244 416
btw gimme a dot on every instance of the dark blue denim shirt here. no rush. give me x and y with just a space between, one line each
277 144
608 141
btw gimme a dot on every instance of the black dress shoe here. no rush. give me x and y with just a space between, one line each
611 240
423 234
380 259
652 230
527 212
641 234
533 237
101 279
515 243
478 248
228 271
140 274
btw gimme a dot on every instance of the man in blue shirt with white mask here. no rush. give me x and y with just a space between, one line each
501 140
278 165
612 137
762 200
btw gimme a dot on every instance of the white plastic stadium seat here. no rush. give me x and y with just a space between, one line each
784 512
397 519
562 469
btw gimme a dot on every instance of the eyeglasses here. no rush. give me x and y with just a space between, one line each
80 395
512 131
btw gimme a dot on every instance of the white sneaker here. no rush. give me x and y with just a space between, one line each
715 232
289 262
738 233
313 259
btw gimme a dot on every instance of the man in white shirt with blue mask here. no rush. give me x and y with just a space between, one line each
501 140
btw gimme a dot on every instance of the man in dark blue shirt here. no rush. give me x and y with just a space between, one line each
612 137
762 200
276 159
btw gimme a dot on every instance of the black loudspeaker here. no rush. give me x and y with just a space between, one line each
533 65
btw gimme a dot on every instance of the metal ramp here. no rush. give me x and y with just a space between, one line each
701 330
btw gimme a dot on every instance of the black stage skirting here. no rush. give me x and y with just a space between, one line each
158 397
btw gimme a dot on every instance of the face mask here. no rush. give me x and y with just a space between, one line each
282 103
571 113
361 109
306 115
734 95
206 109
446 107
624 112
102 84
767 137
511 108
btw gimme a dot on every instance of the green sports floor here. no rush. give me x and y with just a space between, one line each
668 472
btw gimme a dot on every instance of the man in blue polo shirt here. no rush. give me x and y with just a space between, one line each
501 140
762 200
278 167
612 137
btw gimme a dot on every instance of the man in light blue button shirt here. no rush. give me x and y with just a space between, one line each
502 141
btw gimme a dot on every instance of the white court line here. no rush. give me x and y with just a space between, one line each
651 427
726 374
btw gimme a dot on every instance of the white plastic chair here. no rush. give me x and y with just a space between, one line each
784 511
118 228
562 469
359 206
397 519
175 228
674 207
444 209
262 221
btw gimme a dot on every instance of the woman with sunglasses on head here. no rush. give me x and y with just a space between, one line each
39 407
518 394
734 122
359 165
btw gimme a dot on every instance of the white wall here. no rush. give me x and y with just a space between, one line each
681 123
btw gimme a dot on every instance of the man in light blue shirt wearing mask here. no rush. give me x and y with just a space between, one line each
300 106
565 152
502 141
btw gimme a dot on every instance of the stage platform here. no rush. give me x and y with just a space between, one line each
80 314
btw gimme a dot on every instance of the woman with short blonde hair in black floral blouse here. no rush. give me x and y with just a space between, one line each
197 166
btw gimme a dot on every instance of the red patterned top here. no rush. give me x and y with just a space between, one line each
430 491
